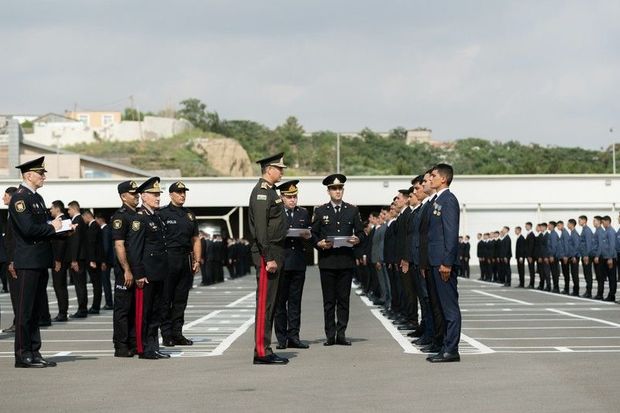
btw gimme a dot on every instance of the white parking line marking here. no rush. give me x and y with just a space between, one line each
502 298
245 297
400 339
223 346
478 345
598 320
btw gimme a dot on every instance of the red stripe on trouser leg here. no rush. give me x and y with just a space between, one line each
260 309
139 310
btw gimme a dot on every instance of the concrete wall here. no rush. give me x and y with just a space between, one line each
63 133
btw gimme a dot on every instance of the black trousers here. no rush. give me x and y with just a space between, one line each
176 287
587 273
612 279
288 307
44 306
601 274
79 281
395 288
521 271
531 266
465 268
107 288
439 323
124 335
30 285
565 274
449 303
555 273
266 299
422 293
544 271
13 289
149 313
95 279
4 275
410 307
59 280
506 272
574 272
336 287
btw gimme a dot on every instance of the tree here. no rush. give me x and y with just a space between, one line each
132 114
194 111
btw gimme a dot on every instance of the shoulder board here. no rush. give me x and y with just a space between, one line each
302 209
21 190
140 212
264 185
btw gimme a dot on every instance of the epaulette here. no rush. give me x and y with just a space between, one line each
21 190
140 212
264 185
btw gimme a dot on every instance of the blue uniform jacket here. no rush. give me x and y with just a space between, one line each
609 244
586 243
443 230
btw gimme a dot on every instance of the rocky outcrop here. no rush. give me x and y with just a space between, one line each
224 155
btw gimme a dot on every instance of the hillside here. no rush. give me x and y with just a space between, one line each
370 154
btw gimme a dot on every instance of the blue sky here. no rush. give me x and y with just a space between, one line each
534 71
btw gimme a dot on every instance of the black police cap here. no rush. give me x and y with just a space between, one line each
36 165
128 186
289 187
178 186
275 160
151 185
334 180
405 192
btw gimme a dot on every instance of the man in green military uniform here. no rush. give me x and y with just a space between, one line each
267 232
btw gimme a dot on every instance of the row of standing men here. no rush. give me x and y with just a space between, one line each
553 247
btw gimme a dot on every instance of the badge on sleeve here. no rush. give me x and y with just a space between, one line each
20 206
261 197
190 216
117 224
135 225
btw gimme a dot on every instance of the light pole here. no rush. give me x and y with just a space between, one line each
613 151
338 153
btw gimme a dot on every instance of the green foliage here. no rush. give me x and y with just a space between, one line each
132 114
195 111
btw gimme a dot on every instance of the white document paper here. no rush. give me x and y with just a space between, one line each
66 225
298 232
340 241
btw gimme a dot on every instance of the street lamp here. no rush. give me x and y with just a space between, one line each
613 151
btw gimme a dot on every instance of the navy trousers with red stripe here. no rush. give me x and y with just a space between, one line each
266 296
31 287
149 314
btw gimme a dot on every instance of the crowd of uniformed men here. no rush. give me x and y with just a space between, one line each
553 247
154 252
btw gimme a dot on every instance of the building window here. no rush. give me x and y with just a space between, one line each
107 119
84 119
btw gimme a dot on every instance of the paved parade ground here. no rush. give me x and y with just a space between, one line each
522 350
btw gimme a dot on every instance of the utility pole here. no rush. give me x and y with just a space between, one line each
338 153
613 151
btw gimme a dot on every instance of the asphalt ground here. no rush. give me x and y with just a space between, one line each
522 350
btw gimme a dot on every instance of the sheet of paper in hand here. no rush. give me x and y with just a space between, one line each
340 241
66 226
297 232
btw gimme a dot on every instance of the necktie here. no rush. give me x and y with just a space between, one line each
337 208
289 213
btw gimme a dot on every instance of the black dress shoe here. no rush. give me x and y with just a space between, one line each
444 358
45 362
330 342
587 295
271 359
79 314
149 356
123 352
297 344
29 362
281 346
407 327
431 348
161 355
418 332
168 342
60 318
610 298
93 311
45 323
342 341
422 341
183 341
598 297
108 307
556 290
574 294
565 292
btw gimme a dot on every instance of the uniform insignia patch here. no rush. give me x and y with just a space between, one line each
135 225
190 216
117 224
264 185
20 206
261 197
278 201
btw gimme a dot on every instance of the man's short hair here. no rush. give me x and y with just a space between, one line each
446 171
88 212
572 221
58 204
598 217
99 215
585 218
417 180
518 227
607 218
560 222
10 190
74 204
506 228
529 223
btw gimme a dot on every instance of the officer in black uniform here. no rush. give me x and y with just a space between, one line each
124 335
268 230
33 257
291 285
148 260
184 255
336 263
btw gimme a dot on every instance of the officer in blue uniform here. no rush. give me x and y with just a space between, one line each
148 260
336 262
184 256
291 285
33 228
